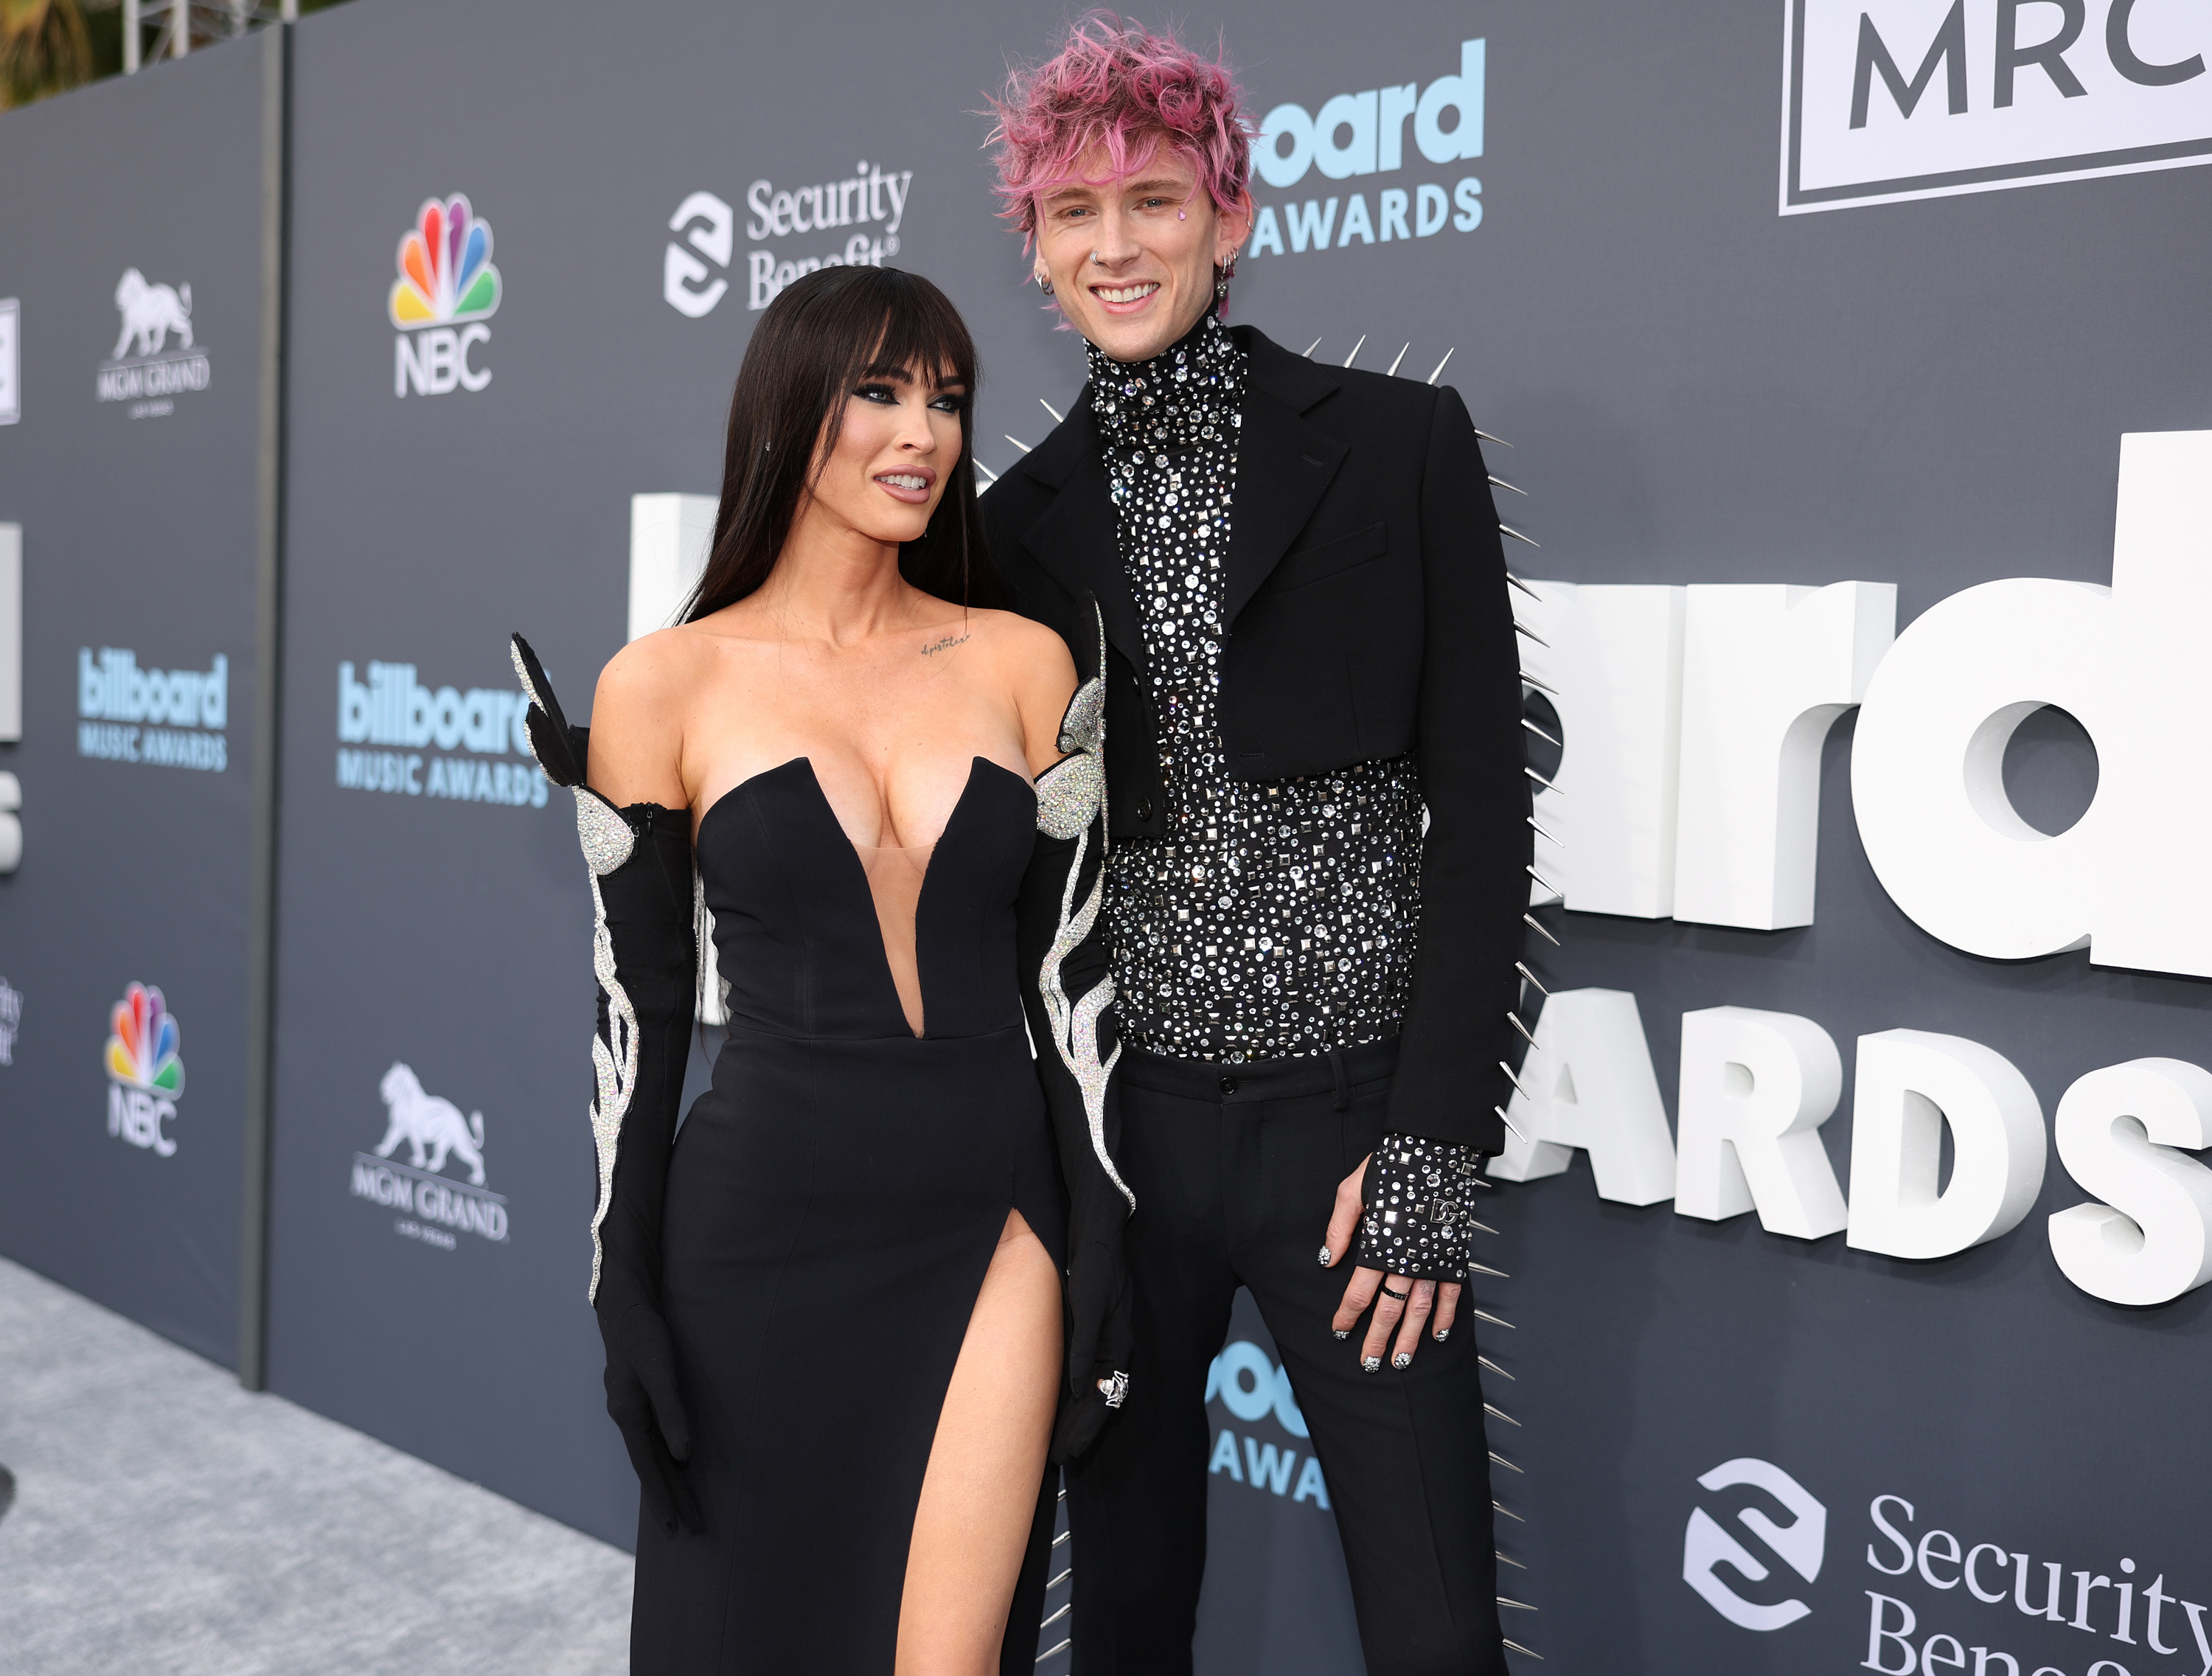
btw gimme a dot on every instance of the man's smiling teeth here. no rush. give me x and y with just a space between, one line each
903 480
1125 293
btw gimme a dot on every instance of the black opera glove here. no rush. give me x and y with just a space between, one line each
1067 991
1420 1203
645 953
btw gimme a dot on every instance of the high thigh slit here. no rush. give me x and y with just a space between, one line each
833 1202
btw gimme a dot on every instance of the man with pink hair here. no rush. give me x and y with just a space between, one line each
1317 813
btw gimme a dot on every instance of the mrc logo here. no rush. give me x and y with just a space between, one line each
1885 100
446 289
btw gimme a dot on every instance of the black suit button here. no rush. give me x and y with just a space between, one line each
1228 1085
1144 809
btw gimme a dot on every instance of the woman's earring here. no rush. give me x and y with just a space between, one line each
1043 284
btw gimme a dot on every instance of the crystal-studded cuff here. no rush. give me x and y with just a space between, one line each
1420 1194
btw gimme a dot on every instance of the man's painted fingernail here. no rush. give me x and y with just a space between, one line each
1442 1333
1344 1333
1325 1259
1372 1365
1402 1359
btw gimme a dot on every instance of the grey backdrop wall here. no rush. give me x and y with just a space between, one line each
1699 390
134 217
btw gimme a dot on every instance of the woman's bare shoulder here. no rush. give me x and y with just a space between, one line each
656 671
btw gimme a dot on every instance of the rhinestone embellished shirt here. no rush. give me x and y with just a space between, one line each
1268 920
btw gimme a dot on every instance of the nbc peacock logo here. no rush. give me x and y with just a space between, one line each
145 1077
446 289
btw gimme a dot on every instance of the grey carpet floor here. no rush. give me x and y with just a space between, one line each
168 1523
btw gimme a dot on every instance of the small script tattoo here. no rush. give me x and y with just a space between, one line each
945 645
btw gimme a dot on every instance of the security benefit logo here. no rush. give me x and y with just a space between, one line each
172 719
871 201
476 733
1355 135
1884 99
1707 1545
446 289
433 1207
145 1078
1938 1596
1256 1391
145 369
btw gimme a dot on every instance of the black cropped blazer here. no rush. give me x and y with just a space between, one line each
1368 616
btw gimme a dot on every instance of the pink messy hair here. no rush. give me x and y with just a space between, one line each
1117 86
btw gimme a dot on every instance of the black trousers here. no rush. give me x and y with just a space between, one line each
1235 1168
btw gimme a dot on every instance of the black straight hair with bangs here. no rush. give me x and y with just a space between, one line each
823 334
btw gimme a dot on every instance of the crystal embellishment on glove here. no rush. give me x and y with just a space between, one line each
1417 1218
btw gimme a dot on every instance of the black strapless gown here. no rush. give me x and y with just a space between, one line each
834 1200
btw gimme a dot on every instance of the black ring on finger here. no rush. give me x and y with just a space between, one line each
1400 1296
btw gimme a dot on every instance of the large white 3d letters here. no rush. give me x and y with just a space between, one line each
1612 660
1589 1074
669 536
1766 672
2130 879
2117 1130
1910 1084
1756 1088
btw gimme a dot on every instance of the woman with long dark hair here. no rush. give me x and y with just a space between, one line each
833 1309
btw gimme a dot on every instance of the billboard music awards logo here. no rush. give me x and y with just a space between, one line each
1354 135
142 369
868 199
434 1209
171 718
391 708
446 289
1249 1384
145 1078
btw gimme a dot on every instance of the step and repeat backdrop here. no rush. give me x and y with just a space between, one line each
1853 361
131 308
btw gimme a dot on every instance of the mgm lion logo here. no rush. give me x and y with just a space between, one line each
431 1127
150 314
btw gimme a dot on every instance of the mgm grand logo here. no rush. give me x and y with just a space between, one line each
144 369
433 1208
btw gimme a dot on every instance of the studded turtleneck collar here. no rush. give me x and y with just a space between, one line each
1188 393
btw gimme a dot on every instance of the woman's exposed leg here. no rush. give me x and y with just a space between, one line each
981 1491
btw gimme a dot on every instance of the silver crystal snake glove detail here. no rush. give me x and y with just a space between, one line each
1418 1217
1068 993
645 955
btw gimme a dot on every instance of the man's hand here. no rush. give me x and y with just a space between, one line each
1400 1304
